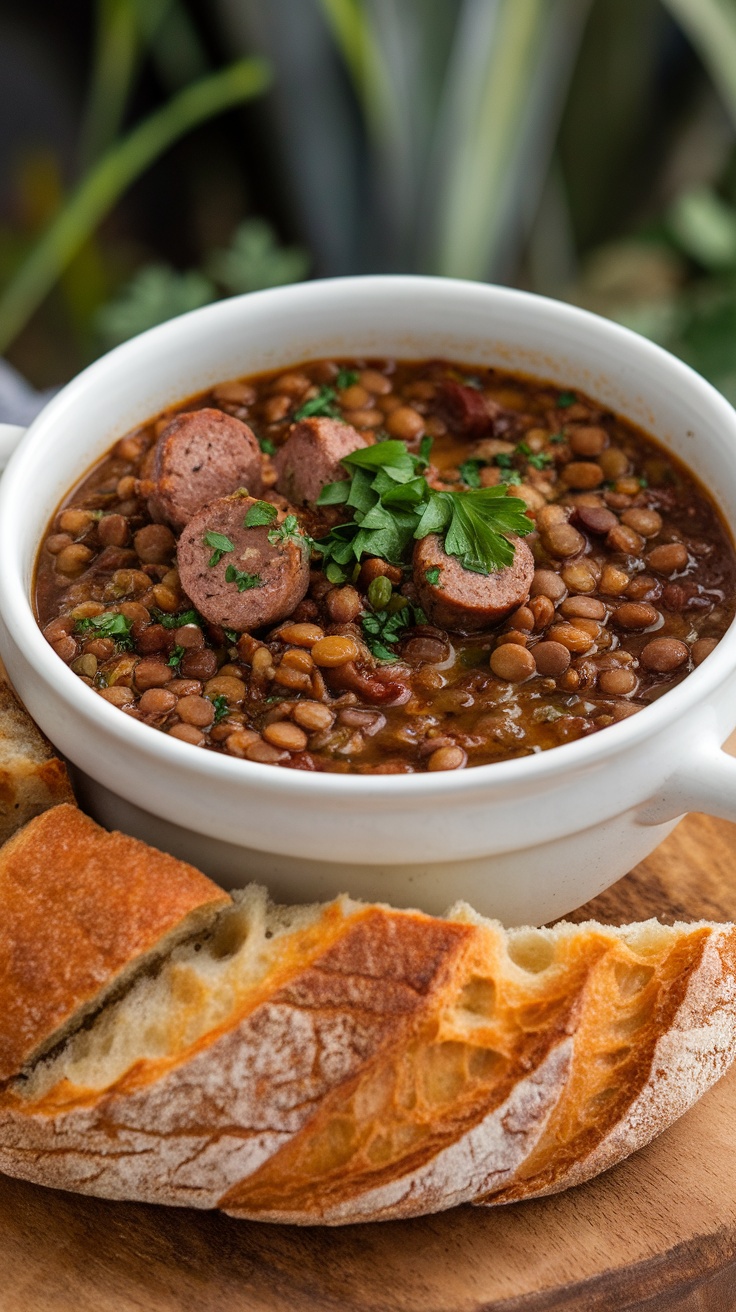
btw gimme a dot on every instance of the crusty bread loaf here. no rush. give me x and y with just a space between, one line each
347 1062
32 778
80 911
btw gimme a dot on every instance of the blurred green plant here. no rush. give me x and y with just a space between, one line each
158 292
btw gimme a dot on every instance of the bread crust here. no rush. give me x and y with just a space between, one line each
387 1064
32 778
81 907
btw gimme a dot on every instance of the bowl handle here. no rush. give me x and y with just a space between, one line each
10 435
705 782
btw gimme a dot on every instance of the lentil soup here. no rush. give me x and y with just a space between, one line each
373 566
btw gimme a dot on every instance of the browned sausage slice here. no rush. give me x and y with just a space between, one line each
255 583
201 455
466 601
311 455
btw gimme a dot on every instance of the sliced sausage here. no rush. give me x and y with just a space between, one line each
311 455
200 456
270 578
466 601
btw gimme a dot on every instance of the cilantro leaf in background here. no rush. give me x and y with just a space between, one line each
323 404
220 546
243 581
154 294
267 446
110 624
176 657
383 629
433 575
346 378
255 260
510 477
334 494
263 512
566 399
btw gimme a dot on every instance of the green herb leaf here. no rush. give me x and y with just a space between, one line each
383 629
469 471
176 621
242 580
511 477
425 447
221 706
291 531
391 455
267 446
566 399
259 514
433 575
176 656
346 378
540 461
231 635
504 460
334 494
556 438
110 624
324 404
478 522
220 545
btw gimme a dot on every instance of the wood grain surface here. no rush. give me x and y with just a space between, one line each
656 1234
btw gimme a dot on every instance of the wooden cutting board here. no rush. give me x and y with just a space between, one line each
656 1233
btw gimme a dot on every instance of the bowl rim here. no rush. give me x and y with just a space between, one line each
159 748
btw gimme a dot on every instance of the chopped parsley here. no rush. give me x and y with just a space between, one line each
537 461
383 629
346 378
231 635
176 621
433 575
393 505
110 624
469 471
176 657
220 546
267 446
262 512
511 477
323 404
221 706
556 438
242 580
290 531
566 399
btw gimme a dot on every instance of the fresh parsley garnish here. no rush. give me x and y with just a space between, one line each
538 460
323 404
566 399
220 546
469 471
346 378
433 575
262 512
231 635
383 629
504 460
243 581
556 438
110 624
220 704
267 446
176 657
290 531
511 477
176 621
643 482
393 505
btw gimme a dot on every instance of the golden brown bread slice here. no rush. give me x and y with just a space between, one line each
32 778
79 910
346 1062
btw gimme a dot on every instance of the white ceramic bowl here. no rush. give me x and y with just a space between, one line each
526 839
